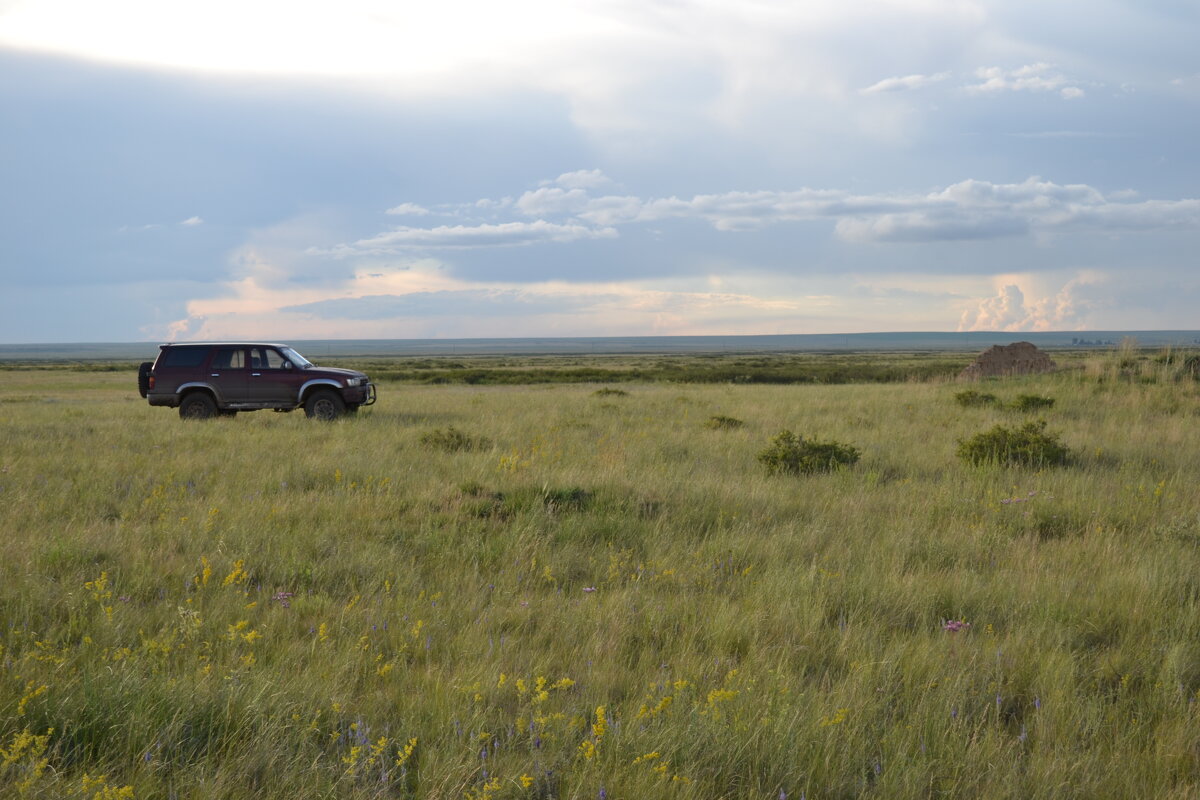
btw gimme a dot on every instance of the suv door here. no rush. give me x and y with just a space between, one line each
270 383
228 374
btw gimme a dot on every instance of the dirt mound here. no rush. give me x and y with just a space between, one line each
1019 358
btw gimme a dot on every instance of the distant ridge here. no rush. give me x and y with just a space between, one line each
647 345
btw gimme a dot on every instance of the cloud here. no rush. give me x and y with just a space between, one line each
1040 77
408 210
421 301
459 302
1142 216
931 226
969 210
1004 312
1066 309
191 221
507 234
904 84
1063 134
553 200
582 179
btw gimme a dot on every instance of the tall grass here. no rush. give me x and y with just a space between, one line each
608 597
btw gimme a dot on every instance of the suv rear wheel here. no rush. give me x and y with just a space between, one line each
324 405
197 406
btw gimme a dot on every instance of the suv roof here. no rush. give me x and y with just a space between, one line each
223 344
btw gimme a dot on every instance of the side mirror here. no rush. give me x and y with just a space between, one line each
287 365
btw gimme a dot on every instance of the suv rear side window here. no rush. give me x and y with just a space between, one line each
183 356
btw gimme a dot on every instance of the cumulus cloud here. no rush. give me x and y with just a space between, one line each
1040 77
553 200
904 84
582 179
1003 312
1008 310
948 224
408 210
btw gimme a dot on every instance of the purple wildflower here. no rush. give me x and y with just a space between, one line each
955 625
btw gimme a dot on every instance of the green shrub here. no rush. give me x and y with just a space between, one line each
1182 365
607 392
452 440
969 398
1028 445
1031 402
571 498
720 422
796 455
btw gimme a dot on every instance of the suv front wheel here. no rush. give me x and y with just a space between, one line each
324 405
197 406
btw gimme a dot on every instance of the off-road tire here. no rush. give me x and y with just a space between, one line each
324 405
197 405
144 377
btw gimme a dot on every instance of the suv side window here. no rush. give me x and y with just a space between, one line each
228 358
183 356
265 358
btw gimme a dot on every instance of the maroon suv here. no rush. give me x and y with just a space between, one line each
211 379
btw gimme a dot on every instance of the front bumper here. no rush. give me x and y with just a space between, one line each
359 395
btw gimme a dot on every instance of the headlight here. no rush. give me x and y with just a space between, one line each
355 381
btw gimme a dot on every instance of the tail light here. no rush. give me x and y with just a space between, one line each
151 381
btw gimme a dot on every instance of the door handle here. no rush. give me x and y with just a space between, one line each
216 375
256 374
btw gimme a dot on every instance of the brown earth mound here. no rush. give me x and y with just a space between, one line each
1019 358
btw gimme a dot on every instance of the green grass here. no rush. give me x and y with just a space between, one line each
762 368
607 593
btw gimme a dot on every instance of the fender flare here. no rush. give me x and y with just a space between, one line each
307 386
186 388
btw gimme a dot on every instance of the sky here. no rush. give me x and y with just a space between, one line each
391 169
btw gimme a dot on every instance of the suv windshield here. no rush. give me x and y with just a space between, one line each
297 359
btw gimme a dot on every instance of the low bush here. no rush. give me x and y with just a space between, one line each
452 440
720 422
1028 445
1031 402
571 498
607 392
795 455
969 398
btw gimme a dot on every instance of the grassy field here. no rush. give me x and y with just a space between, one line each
570 591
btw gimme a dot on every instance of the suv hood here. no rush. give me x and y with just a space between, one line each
336 372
